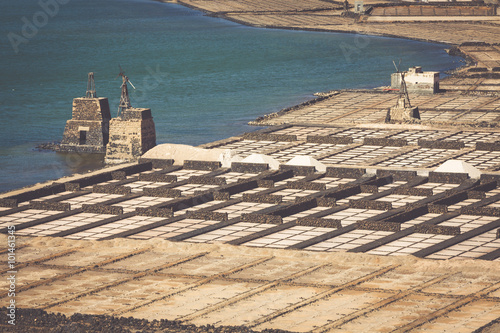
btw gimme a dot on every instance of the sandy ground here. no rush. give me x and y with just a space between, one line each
259 288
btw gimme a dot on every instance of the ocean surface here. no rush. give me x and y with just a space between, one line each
204 78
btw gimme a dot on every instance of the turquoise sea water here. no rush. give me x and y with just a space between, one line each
204 78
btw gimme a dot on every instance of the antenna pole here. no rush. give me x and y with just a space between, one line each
124 99
404 92
397 69
91 86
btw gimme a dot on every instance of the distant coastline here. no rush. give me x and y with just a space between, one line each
446 37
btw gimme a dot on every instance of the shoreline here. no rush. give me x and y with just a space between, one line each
353 32
223 15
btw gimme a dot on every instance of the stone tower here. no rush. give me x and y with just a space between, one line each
132 133
88 129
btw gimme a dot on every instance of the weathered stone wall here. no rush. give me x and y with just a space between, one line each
261 218
266 183
298 170
447 177
437 208
485 211
370 204
8 203
319 222
155 212
92 116
208 215
111 189
96 109
476 195
269 137
97 136
202 165
44 205
158 163
491 146
419 192
222 196
344 172
385 142
119 175
249 167
157 178
485 178
206 180
262 198
441 144
303 185
333 140
379 226
130 136
326 202
437 229
102 209
369 189
397 175
162 192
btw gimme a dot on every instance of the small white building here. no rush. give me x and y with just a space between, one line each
417 81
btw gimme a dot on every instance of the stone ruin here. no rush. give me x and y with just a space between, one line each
91 129
131 135
88 129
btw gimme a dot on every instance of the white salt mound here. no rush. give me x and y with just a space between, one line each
307 161
181 153
457 166
262 159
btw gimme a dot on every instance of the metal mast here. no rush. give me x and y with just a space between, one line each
346 8
91 87
404 99
124 99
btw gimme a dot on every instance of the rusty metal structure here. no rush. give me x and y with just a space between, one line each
402 111
125 98
404 98
91 92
